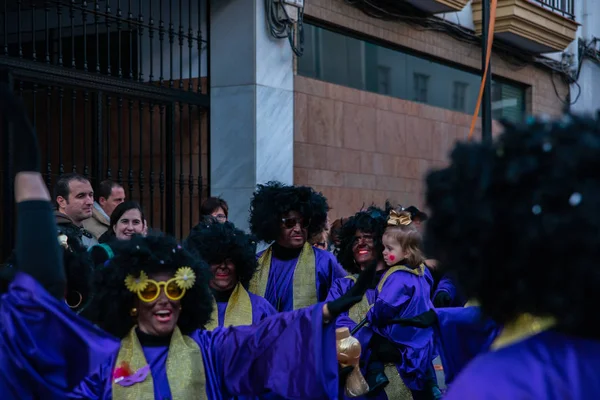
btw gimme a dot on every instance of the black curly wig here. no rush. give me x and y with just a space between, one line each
78 271
113 302
518 221
373 220
274 199
216 242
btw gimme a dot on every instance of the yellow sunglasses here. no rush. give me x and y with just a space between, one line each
152 290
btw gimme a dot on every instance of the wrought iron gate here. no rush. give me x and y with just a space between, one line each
115 89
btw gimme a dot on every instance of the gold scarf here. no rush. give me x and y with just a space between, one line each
304 282
238 311
523 327
396 388
185 369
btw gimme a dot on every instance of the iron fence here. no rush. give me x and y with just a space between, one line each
566 8
116 90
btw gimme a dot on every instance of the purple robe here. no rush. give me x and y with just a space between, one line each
261 309
549 366
279 290
290 354
447 285
405 295
46 349
460 335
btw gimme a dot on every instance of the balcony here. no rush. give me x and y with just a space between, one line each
438 6
534 26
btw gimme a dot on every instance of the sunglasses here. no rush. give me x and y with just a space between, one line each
152 290
292 222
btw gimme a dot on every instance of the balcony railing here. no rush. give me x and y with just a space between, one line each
566 8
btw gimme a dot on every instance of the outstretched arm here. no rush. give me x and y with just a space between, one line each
37 250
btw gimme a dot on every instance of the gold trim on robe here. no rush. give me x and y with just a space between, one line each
185 369
237 313
304 283
419 271
523 327
396 389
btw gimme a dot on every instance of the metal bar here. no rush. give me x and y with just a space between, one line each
19 40
33 33
151 177
191 173
129 21
171 38
107 22
97 31
61 165
59 15
141 154
86 103
140 44
130 175
49 136
72 17
161 39
190 49
120 143
180 34
84 18
46 29
73 129
108 123
7 195
486 115
170 172
199 111
181 176
5 20
120 45
151 34
161 177
199 39
54 75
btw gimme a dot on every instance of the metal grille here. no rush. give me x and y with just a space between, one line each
566 8
115 89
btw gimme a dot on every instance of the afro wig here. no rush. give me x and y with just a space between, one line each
78 271
373 220
216 242
517 222
271 201
112 302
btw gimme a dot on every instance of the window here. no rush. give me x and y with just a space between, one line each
421 82
383 75
344 60
459 96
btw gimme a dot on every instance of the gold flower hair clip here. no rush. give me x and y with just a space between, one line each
399 219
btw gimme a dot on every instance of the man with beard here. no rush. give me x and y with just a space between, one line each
291 273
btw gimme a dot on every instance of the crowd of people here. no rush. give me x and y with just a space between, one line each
498 281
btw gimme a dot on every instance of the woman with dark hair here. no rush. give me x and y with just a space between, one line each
231 256
45 349
126 220
215 207
517 223
291 273
155 296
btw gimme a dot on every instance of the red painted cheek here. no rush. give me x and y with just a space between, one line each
391 257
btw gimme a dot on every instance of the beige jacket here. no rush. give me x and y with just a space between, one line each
97 224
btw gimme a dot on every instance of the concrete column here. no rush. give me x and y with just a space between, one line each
252 104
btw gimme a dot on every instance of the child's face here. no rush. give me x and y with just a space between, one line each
392 251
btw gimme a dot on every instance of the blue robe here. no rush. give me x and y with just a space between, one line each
46 349
461 334
279 290
549 366
290 354
446 284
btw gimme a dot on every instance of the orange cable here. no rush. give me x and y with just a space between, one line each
488 56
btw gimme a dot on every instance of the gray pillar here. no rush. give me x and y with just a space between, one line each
252 104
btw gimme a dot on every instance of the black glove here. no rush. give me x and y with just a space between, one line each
25 142
355 294
425 320
442 299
